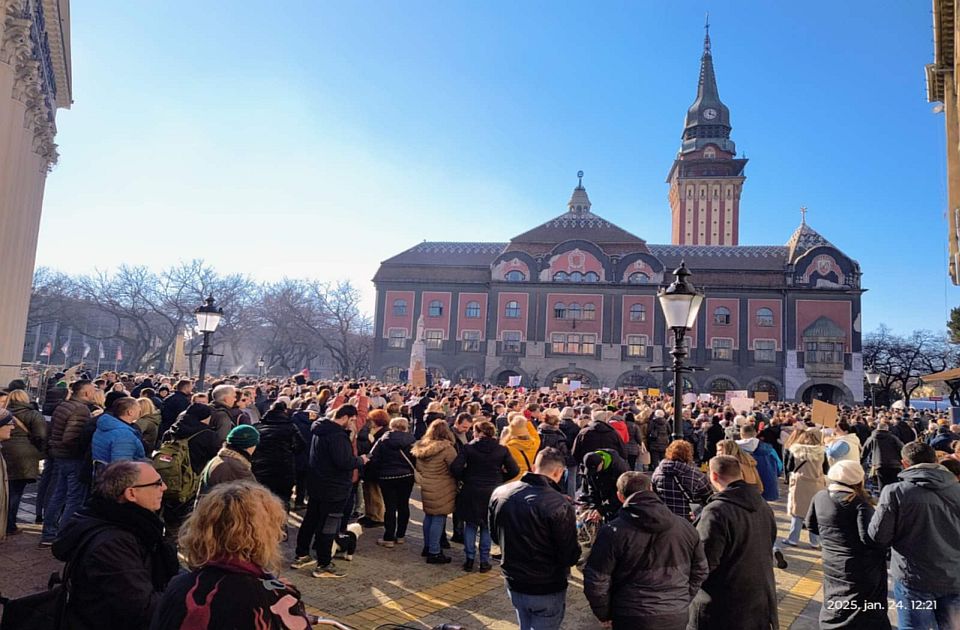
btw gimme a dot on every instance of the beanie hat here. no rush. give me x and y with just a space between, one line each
198 411
846 472
243 436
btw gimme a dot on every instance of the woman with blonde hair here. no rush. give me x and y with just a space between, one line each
522 441
748 465
806 456
23 451
148 423
438 487
231 544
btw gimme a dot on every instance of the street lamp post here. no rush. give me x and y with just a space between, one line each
873 378
260 365
208 318
681 304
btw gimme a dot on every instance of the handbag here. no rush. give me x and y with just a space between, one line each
695 508
417 477
644 456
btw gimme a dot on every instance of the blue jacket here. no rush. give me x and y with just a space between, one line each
769 466
114 440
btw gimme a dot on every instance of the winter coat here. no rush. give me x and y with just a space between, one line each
4 495
119 575
943 440
658 434
769 466
222 419
387 455
481 467
115 440
524 452
882 450
620 426
536 528
202 448
919 517
570 430
595 436
714 435
438 487
229 464
173 405
553 437
24 450
230 594
904 431
302 422
600 487
738 530
667 479
854 567
332 462
645 562
149 426
275 460
55 395
65 440
635 439
807 478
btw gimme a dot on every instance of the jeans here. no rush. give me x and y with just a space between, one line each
396 506
796 524
43 486
918 610
539 612
571 490
13 505
470 539
320 524
68 495
433 526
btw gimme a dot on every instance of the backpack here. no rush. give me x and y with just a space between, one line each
172 461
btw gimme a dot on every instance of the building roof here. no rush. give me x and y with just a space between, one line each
723 257
447 253
803 240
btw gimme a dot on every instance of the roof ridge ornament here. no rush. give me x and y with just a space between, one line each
803 215
706 37
579 179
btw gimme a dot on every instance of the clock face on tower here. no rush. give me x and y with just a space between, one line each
709 113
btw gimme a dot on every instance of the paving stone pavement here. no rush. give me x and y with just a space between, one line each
396 585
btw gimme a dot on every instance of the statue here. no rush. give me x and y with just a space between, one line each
418 358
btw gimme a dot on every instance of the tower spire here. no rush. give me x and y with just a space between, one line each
706 37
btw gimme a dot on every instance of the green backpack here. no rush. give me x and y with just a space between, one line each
172 461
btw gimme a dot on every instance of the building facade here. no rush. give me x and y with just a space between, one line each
34 84
576 296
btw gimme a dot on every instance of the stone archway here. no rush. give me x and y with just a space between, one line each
501 376
639 379
725 382
828 390
773 387
588 379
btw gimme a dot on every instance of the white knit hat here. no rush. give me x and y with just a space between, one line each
847 472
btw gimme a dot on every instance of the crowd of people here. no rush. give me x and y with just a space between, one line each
136 468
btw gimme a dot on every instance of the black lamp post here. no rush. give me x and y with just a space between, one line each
208 318
873 378
260 365
681 304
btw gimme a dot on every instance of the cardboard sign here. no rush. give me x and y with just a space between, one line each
825 414
604 390
705 398
653 391
563 387
735 393
544 390
742 405
761 396
689 398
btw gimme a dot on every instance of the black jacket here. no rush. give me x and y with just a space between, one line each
647 561
274 461
600 486
173 405
222 419
54 396
536 528
919 517
571 430
203 447
854 567
658 434
882 450
738 530
553 437
904 431
482 466
595 436
121 572
714 435
387 455
331 461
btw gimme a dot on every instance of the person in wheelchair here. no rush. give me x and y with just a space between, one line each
602 468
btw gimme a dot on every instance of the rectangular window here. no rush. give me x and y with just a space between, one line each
557 344
636 345
722 349
588 344
764 350
511 341
824 352
434 339
471 341
397 338
573 344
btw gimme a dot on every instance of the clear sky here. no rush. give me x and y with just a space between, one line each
315 139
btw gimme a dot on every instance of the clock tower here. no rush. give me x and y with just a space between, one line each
706 178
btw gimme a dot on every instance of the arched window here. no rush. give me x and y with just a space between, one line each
473 310
560 310
770 388
638 277
399 307
638 313
574 311
514 276
721 385
560 276
589 311
591 276
721 315
764 316
512 309
576 276
435 309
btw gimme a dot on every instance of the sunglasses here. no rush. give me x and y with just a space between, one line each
156 484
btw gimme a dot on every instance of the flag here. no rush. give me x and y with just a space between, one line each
306 373
514 381
102 353
120 353
47 349
65 348
86 349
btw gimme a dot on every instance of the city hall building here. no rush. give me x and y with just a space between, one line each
575 297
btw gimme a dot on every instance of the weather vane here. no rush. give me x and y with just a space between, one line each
803 215
580 179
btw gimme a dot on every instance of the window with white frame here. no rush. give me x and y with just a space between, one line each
589 312
511 341
764 350
764 317
721 316
574 311
638 313
722 349
434 339
471 340
514 276
512 309
570 343
396 338
638 277
399 306
435 309
560 310
473 310
636 345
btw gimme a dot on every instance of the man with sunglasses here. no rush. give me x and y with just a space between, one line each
120 562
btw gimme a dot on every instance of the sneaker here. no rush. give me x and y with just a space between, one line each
303 562
45 544
468 565
496 556
787 541
485 567
439 559
328 571
401 540
781 561
386 543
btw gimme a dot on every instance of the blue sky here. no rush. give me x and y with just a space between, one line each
315 139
